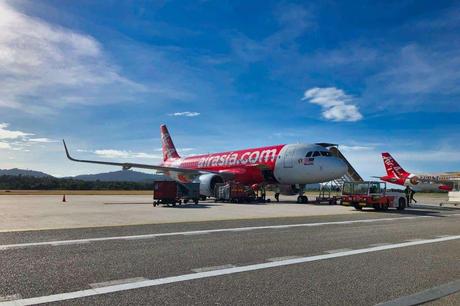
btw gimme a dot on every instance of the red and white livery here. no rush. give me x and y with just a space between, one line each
290 166
420 182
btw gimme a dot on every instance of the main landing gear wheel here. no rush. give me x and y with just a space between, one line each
302 199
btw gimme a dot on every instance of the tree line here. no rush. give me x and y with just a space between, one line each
20 182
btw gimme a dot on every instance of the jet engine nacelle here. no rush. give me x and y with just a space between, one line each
412 181
289 189
208 182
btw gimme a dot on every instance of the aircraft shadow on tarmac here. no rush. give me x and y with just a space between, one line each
200 205
128 203
192 205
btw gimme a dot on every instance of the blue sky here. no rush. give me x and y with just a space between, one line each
371 76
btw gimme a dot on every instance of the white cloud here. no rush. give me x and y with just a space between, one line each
110 153
355 148
5 145
185 114
9 134
43 66
335 103
42 140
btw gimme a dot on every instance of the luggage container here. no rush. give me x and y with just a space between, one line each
190 192
233 192
165 192
173 193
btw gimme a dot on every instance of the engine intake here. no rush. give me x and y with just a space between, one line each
208 182
414 180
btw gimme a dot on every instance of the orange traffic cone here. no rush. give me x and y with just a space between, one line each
63 198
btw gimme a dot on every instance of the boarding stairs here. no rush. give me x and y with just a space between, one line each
351 176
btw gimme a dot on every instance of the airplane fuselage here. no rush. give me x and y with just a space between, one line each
282 164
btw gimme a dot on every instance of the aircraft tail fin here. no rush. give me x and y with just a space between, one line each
169 150
392 167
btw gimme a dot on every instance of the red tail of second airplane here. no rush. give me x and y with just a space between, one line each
392 167
169 150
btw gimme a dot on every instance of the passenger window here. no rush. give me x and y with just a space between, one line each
309 154
316 154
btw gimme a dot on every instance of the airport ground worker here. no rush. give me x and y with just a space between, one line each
407 192
409 195
412 196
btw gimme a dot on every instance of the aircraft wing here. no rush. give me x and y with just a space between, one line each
165 169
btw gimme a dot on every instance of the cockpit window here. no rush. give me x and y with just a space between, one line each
316 154
325 153
309 154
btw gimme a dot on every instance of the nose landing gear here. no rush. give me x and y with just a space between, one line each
301 198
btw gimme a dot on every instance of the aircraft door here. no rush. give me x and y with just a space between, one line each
288 157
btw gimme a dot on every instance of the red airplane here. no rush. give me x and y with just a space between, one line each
289 166
420 182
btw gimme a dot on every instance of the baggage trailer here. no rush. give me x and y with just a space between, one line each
233 192
172 193
372 194
190 192
328 194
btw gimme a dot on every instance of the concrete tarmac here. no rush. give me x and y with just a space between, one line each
38 212
359 258
32 212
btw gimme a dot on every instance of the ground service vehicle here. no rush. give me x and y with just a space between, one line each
172 193
372 194
234 192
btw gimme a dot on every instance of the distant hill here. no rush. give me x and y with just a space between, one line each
115 176
121 176
16 172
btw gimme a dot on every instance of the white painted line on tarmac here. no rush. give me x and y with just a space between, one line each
384 243
251 228
213 268
137 238
426 295
118 282
337 251
68 243
241 229
282 258
200 275
191 234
